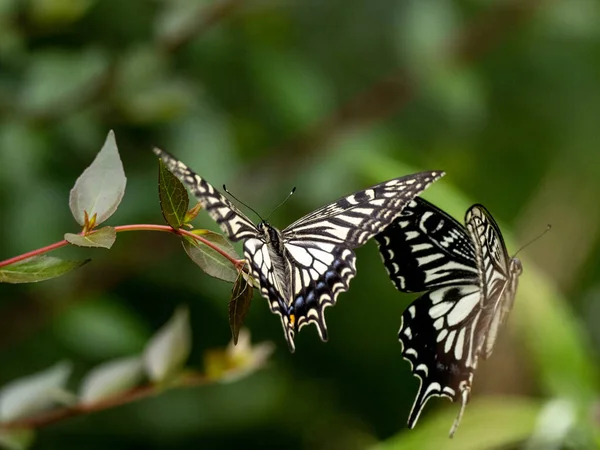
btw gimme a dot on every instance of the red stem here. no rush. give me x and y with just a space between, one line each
140 227
39 251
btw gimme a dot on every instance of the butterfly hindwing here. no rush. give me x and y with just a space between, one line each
321 272
436 332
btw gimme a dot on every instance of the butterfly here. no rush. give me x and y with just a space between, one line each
470 283
302 269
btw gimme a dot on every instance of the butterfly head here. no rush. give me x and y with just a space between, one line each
516 267
270 234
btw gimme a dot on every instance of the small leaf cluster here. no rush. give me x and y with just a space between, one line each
211 251
44 398
96 196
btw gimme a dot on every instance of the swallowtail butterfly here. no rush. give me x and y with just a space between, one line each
470 283
302 269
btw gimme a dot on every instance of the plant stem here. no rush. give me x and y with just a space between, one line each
238 264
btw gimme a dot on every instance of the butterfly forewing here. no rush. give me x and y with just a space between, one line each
353 220
302 270
425 248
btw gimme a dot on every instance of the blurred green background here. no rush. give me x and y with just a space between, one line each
329 96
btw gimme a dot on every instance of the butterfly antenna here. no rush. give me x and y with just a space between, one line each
286 199
242 203
548 227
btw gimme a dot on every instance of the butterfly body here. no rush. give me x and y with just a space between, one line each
301 269
470 283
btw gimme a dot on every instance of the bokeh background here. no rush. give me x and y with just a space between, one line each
329 96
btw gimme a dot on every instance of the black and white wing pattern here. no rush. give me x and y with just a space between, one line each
498 273
302 269
470 284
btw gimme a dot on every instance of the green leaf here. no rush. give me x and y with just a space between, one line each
103 237
38 268
174 200
111 378
16 439
505 421
241 298
101 186
59 80
34 393
209 260
179 19
101 328
57 12
168 350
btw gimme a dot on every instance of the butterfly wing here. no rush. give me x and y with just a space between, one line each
353 220
426 248
233 223
319 273
471 288
436 334
319 245
498 274
315 275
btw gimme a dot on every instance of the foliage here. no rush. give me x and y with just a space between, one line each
329 97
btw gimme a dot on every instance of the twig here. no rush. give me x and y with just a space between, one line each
139 227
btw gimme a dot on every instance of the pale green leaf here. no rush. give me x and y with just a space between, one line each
168 350
57 80
101 186
111 378
29 395
103 237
